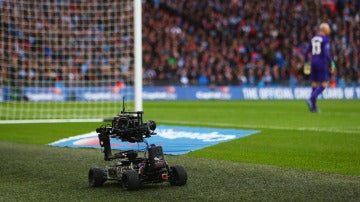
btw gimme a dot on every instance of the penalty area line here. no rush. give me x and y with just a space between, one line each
330 130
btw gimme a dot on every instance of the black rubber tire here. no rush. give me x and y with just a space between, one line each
131 180
97 177
178 175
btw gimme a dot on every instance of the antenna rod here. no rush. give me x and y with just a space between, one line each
123 110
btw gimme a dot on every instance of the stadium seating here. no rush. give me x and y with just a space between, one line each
223 42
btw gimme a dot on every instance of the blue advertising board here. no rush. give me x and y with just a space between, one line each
1 95
61 94
244 93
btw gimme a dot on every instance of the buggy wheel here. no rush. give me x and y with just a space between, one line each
178 175
131 180
96 177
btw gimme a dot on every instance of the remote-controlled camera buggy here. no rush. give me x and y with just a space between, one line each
131 170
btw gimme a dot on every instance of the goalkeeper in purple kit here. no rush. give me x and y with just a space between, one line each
319 47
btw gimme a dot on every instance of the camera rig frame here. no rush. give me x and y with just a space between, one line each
127 126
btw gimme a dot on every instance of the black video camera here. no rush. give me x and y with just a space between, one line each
129 126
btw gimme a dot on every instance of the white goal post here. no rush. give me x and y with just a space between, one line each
138 54
69 60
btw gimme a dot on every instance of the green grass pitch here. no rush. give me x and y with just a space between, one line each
297 155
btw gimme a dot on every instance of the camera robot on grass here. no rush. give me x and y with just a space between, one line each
131 170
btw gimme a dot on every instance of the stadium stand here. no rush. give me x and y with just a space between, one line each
188 42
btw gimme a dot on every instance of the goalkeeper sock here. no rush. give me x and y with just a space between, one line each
315 94
319 90
313 89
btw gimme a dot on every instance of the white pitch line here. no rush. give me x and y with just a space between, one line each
330 130
50 121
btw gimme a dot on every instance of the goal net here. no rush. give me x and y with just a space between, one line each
68 60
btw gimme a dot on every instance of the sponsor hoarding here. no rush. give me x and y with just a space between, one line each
178 93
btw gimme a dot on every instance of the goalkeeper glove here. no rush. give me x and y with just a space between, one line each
307 68
332 66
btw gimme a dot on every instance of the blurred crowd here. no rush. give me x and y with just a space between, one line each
185 42
239 42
